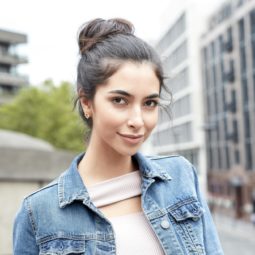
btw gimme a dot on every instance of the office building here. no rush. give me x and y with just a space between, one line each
228 64
10 80
182 133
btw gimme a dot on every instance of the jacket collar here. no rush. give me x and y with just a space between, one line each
151 169
71 186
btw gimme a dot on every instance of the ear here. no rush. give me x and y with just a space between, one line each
86 103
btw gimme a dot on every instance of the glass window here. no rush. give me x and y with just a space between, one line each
215 156
176 57
182 107
210 158
252 22
179 81
229 43
225 126
245 91
219 157
4 69
173 33
227 157
237 157
241 31
178 134
235 131
248 155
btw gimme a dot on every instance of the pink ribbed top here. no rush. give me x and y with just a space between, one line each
132 231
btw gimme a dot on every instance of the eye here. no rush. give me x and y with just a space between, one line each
119 100
151 103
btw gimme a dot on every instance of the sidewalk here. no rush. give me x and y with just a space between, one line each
229 224
236 236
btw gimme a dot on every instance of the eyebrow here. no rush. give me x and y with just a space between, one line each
124 93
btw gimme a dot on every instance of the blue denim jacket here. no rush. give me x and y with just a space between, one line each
61 219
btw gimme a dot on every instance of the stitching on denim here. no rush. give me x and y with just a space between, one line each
192 236
105 237
61 190
181 203
164 240
30 214
53 183
188 237
162 157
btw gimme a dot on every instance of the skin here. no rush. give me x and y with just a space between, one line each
127 105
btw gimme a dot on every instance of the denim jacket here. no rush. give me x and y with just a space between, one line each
61 218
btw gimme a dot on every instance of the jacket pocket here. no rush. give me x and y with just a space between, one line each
186 209
186 217
62 246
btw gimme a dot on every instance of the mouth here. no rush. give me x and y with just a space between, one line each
130 138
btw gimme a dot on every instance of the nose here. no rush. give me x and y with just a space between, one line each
135 119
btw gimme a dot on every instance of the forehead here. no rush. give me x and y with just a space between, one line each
134 77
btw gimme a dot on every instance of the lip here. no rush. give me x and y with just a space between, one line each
130 138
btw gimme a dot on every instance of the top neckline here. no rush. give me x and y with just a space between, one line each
116 189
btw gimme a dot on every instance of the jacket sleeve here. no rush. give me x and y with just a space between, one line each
211 240
24 241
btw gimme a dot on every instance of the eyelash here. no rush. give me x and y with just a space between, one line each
155 103
118 99
115 99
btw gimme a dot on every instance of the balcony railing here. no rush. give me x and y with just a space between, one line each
12 59
13 80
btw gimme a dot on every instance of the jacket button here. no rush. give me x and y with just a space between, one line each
165 224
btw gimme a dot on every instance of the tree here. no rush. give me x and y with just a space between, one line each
46 112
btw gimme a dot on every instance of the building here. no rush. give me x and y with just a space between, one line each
228 64
26 164
10 79
182 133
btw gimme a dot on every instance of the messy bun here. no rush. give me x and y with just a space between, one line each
104 46
98 30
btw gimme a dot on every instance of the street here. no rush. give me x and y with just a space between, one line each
237 237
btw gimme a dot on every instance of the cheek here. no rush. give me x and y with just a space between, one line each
151 121
107 119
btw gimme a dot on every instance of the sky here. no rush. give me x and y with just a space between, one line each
52 26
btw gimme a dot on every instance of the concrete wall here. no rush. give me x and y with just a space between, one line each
23 171
12 194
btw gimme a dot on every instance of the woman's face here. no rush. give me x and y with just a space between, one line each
125 109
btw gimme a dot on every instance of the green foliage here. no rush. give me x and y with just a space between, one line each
46 112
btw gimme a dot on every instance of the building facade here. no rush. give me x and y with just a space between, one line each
10 79
182 132
228 66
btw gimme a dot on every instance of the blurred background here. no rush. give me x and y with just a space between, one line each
208 52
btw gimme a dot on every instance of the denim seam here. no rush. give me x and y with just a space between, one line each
192 236
163 157
61 190
30 215
53 183
186 201
185 229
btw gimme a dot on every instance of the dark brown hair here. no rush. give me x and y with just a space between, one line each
104 45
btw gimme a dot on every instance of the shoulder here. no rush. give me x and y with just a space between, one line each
171 161
175 165
49 188
44 195
168 158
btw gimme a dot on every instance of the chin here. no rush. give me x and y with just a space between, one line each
128 152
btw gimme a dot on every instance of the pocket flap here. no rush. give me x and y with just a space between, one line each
189 208
62 246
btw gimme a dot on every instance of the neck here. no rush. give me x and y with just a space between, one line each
100 164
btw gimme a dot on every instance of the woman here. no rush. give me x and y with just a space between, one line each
112 199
